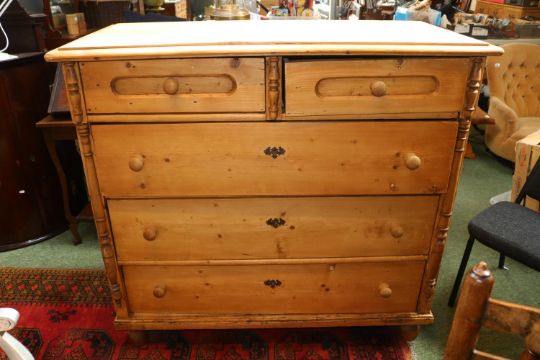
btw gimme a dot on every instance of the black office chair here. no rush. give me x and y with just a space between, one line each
509 228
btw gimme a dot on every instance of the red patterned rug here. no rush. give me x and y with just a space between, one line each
67 314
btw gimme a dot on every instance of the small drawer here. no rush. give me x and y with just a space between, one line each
223 85
337 288
375 87
293 158
271 228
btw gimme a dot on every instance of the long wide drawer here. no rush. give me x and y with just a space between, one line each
376 86
267 228
174 86
312 158
387 287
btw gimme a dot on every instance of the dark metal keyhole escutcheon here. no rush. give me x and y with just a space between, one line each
272 283
275 222
274 152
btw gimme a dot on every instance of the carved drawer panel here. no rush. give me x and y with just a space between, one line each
266 228
381 86
309 158
322 288
174 86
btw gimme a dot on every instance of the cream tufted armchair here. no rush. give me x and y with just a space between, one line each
514 84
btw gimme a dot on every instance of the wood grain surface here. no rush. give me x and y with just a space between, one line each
343 87
294 37
267 228
278 289
230 159
174 85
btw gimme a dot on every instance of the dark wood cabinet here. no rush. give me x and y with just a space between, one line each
30 197
505 10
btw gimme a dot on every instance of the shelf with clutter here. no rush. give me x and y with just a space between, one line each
500 19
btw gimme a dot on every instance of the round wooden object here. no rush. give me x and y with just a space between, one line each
533 339
150 233
384 290
137 338
378 88
170 86
396 231
160 291
412 161
136 163
409 332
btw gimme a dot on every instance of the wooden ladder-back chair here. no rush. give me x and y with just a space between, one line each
475 309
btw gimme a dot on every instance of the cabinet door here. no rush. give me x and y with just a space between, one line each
31 204
18 220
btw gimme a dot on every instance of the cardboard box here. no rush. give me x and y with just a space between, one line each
527 153
479 31
464 29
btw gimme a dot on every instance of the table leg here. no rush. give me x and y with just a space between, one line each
469 152
73 222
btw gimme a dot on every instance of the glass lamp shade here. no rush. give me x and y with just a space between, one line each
230 10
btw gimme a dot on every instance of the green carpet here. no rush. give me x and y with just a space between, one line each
481 179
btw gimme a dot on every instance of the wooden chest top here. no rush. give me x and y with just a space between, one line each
292 37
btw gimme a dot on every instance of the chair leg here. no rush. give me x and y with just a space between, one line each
502 259
461 271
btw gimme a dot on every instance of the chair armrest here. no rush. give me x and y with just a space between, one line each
507 119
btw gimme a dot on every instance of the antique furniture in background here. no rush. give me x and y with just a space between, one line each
178 8
272 173
59 134
478 117
476 309
505 10
55 132
514 86
25 31
30 199
509 228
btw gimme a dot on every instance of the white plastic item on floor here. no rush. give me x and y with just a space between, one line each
11 346
505 196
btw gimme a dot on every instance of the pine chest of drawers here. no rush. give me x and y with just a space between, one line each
272 174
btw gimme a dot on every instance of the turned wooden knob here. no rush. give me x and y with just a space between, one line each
384 290
378 88
160 291
170 86
396 230
136 163
412 161
150 233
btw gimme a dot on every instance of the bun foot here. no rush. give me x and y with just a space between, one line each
409 332
137 338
